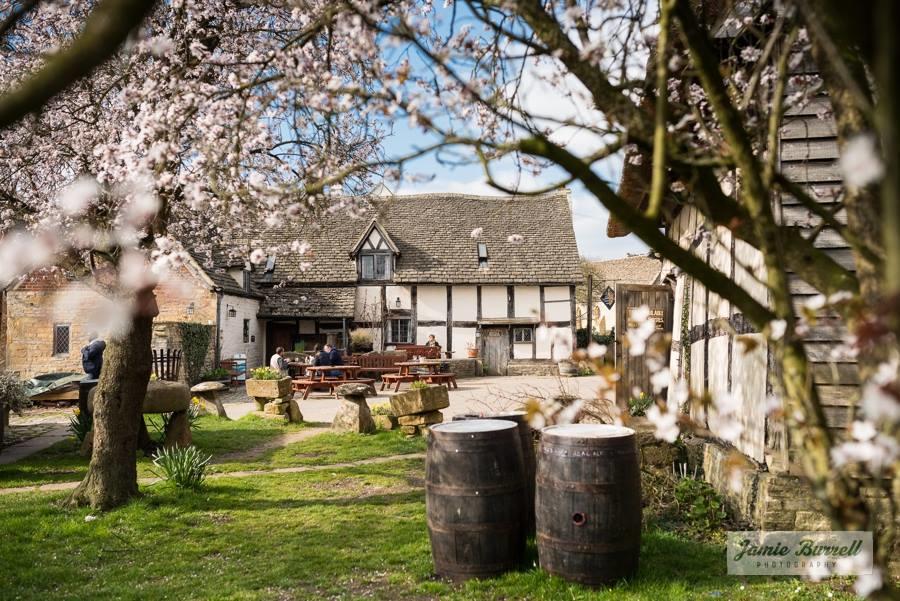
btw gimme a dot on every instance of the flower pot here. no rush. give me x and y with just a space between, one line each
269 389
472 353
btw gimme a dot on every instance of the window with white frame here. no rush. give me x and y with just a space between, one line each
399 331
61 336
375 266
523 334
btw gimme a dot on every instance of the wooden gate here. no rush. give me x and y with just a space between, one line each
633 370
495 350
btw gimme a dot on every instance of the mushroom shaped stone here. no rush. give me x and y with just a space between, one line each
208 392
356 390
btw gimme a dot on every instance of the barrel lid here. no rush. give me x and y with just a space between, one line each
474 425
588 431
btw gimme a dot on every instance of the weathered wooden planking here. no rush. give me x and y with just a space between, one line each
803 172
814 107
837 417
808 127
801 216
836 373
629 297
809 150
823 193
826 331
825 352
841 256
838 396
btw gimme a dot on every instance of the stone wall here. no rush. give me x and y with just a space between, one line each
532 367
466 368
167 335
776 501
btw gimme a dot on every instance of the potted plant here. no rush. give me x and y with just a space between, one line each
219 374
13 397
361 340
383 416
471 350
266 384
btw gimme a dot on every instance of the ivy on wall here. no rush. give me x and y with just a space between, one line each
195 339
686 331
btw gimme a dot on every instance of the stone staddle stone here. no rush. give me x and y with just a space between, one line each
161 397
354 414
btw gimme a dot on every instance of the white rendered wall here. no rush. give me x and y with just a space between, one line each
431 304
522 350
493 302
465 305
557 304
232 330
462 337
440 334
562 343
368 303
528 301
404 293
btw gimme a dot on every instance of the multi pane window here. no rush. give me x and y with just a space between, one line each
61 339
523 334
246 331
375 266
399 331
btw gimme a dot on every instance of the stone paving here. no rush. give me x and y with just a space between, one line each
40 428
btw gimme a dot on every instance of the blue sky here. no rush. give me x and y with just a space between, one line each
540 99
588 215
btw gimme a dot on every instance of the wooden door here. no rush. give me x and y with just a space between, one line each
633 370
279 334
495 350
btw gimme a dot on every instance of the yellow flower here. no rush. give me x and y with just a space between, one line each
77 411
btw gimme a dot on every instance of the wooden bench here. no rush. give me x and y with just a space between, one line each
379 363
420 350
388 379
447 378
306 385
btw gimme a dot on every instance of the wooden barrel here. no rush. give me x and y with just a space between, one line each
474 483
588 503
526 439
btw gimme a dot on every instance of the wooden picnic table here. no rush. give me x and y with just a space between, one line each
317 377
433 376
318 372
433 366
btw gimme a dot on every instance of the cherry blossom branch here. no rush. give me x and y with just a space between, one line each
104 31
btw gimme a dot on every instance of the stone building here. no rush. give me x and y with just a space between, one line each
497 274
47 317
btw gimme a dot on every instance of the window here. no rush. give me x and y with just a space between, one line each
399 331
375 266
60 339
246 331
482 255
523 334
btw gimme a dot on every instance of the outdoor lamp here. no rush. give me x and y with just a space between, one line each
232 312
398 303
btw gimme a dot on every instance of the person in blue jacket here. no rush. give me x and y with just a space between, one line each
92 356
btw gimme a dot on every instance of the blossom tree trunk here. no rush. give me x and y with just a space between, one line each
118 412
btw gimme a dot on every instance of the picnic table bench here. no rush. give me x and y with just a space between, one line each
432 375
379 363
318 377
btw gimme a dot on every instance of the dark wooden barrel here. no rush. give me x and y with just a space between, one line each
588 503
526 439
474 483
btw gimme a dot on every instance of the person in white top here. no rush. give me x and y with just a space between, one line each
277 360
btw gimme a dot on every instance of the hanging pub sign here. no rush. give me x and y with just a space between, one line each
608 297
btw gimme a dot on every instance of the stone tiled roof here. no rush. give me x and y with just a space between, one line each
630 270
215 264
309 302
433 234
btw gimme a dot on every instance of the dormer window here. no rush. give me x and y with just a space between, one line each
375 266
482 255
375 253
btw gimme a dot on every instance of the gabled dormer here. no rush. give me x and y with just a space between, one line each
375 255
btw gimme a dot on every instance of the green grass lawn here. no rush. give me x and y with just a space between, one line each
335 533
62 463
